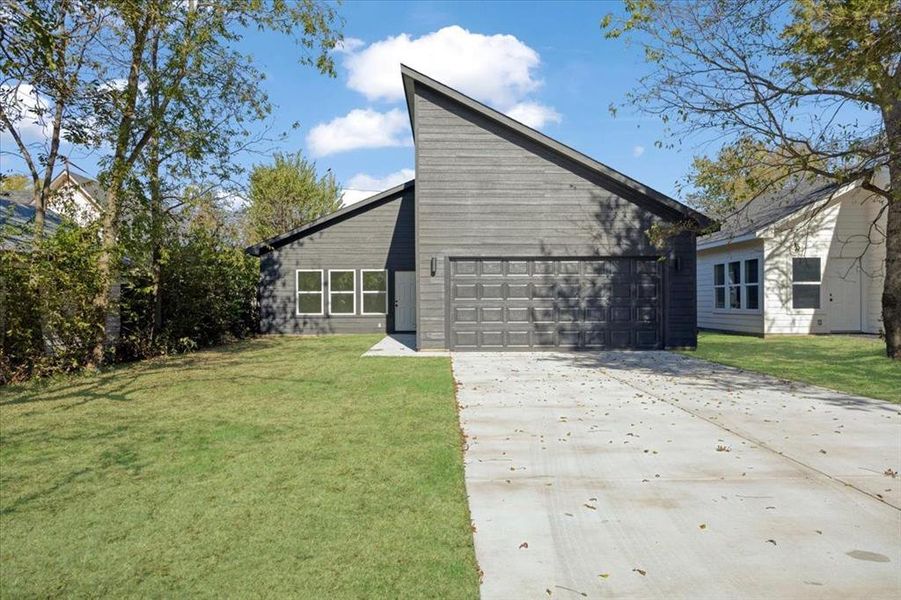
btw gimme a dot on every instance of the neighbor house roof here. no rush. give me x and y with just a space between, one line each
412 78
279 240
90 187
17 217
746 222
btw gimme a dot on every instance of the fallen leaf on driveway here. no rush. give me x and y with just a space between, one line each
773 542
604 575
526 545
890 473
702 526
641 572
722 448
590 506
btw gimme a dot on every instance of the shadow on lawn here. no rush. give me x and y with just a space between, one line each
117 383
698 374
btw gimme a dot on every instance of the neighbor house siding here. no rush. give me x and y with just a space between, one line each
837 230
710 317
378 237
486 191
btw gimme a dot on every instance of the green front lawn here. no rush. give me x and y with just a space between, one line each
276 467
844 363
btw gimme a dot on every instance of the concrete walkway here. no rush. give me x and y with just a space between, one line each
400 344
654 475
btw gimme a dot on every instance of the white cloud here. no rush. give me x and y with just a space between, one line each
637 151
362 185
30 114
349 45
498 69
349 197
360 128
534 114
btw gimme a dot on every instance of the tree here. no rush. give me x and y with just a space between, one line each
189 50
14 182
816 84
44 62
286 195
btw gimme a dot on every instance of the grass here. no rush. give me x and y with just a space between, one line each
276 467
854 365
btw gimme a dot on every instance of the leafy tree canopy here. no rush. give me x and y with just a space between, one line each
287 194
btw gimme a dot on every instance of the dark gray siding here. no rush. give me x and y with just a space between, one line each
483 190
378 237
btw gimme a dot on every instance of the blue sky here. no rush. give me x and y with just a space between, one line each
546 63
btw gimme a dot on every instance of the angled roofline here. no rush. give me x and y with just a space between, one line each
279 240
759 232
411 77
56 183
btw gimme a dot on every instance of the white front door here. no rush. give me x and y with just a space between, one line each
843 291
405 300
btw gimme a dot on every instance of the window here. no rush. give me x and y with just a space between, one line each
309 292
736 285
375 291
806 283
752 284
342 293
719 285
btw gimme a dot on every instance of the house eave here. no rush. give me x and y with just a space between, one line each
411 78
274 242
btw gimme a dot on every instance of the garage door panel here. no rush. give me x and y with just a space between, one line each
563 302
518 267
464 291
465 315
518 339
491 314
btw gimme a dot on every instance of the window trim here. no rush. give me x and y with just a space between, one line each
819 284
719 286
363 292
743 285
353 292
298 292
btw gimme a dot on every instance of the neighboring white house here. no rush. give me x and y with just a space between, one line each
808 260
78 197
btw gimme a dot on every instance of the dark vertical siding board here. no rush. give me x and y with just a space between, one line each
484 190
380 237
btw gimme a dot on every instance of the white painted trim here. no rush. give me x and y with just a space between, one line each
363 292
354 293
297 293
743 286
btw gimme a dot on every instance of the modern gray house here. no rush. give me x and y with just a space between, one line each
507 239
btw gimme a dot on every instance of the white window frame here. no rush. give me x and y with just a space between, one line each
297 292
742 285
720 286
363 291
353 292
819 284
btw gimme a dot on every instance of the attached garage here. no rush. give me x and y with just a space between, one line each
537 303
507 240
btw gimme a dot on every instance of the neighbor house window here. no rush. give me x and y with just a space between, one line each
375 291
309 292
719 285
806 283
342 292
752 284
736 285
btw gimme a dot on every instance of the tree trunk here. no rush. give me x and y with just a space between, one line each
891 293
107 296
156 234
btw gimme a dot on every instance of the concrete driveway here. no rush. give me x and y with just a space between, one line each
655 475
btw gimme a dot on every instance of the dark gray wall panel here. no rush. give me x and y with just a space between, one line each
380 237
484 191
